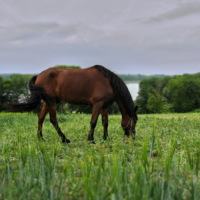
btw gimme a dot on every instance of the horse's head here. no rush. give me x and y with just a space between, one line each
129 123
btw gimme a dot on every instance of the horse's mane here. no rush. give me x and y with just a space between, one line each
121 88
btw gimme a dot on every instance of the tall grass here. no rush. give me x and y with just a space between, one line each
162 163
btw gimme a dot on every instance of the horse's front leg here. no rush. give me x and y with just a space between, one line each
104 115
95 114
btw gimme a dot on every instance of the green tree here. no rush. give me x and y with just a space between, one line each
145 88
14 89
68 66
19 87
155 102
1 92
6 91
150 86
185 92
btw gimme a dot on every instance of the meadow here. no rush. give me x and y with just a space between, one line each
162 163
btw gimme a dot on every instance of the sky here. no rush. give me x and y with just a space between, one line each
125 36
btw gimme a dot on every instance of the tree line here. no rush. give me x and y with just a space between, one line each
124 77
139 77
180 93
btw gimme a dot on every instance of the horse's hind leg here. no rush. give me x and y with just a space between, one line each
41 118
104 115
54 121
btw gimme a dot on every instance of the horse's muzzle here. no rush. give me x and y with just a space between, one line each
133 134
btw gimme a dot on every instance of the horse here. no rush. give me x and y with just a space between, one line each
96 85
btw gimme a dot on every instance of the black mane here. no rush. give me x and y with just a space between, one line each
121 88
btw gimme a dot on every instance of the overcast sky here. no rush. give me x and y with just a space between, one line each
126 36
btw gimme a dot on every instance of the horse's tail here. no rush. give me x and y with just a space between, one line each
37 94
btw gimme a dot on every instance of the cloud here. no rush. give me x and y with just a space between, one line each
180 11
125 36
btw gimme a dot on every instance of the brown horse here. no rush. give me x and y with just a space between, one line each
95 85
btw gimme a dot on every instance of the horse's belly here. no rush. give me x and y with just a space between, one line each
75 96
86 95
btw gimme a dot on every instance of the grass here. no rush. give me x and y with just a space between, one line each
162 163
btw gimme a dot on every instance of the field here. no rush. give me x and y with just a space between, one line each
162 163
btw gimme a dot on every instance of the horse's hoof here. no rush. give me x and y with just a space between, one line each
41 139
91 142
66 140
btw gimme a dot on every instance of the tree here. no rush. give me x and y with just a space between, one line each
155 102
6 91
185 92
1 92
19 87
68 66
145 88
14 89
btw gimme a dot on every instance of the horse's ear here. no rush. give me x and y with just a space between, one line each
136 109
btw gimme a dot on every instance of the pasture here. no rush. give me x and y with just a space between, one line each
162 163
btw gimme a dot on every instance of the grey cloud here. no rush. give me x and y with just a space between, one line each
181 10
37 34
121 60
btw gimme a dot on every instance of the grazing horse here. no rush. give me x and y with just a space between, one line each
95 85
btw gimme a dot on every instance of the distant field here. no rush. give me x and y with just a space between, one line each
162 163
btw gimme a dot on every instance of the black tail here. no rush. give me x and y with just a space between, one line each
37 94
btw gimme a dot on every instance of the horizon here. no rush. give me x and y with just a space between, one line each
115 73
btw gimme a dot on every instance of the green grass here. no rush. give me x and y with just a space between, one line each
162 163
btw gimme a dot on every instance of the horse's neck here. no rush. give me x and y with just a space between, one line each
123 111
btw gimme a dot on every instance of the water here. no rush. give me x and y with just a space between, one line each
133 88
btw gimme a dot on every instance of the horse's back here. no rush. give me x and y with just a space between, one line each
79 86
